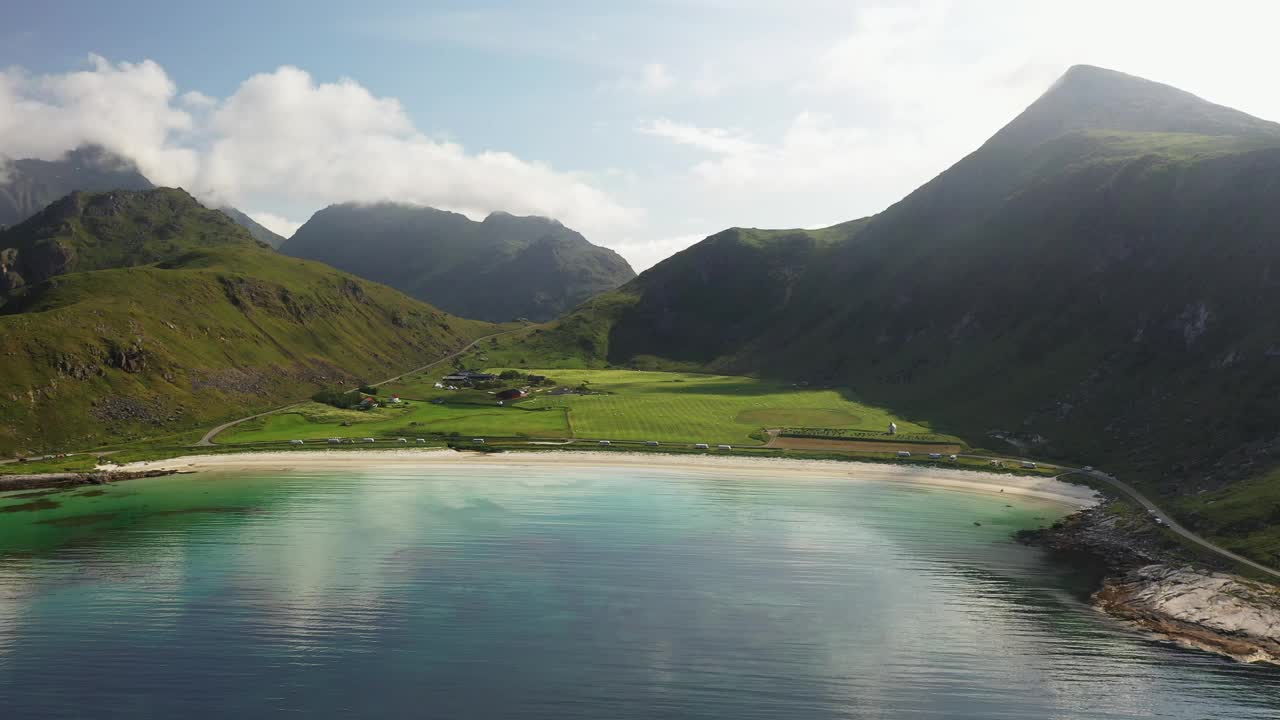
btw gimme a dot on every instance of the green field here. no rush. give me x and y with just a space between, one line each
677 407
314 421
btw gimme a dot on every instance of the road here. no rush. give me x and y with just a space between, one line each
1172 524
207 440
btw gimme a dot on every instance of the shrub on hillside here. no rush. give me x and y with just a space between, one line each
337 398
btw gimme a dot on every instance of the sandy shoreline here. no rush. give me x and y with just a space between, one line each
1046 489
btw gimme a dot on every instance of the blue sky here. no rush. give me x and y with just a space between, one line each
646 126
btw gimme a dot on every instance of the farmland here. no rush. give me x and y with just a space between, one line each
681 407
596 404
313 421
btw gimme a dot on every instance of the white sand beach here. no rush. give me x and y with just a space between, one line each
1040 488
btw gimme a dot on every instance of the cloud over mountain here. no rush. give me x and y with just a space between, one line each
281 138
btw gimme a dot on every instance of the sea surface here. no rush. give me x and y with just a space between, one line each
566 593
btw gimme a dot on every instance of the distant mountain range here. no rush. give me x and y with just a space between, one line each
259 233
1099 281
128 314
502 268
27 186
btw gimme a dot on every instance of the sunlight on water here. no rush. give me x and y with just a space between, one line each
562 594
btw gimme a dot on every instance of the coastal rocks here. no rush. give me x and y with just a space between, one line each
1155 584
1216 612
71 479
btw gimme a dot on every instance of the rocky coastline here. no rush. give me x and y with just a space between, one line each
39 481
1157 585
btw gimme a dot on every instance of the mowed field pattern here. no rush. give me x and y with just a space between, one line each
688 407
622 405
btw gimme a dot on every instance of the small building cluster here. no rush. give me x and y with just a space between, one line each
468 377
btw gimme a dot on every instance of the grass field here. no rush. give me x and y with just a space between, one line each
680 407
314 421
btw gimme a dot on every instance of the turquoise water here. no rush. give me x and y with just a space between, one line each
550 593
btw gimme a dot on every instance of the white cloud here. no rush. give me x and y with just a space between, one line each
282 226
716 140
814 152
282 139
127 108
282 135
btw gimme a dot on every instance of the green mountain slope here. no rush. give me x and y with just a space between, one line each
503 268
256 229
170 316
1097 282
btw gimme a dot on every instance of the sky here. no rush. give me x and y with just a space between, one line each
644 125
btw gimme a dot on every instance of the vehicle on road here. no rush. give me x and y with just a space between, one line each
904 454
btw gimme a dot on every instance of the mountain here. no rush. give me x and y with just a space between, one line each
502 268
27 186
259 233
1097 282
142 313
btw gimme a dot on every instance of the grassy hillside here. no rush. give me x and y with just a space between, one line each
1095 283
501 269
213 325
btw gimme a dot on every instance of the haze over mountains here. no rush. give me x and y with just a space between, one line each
1097 281
502 268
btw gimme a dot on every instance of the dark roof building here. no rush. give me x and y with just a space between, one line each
470 376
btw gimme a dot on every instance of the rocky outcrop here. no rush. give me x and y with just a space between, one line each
1215 611
1158 586
36 481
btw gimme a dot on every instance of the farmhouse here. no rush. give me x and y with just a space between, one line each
468 377
512 394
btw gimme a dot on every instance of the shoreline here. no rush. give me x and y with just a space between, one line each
1057 492
1159 588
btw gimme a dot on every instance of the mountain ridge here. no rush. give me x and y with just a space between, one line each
500 268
